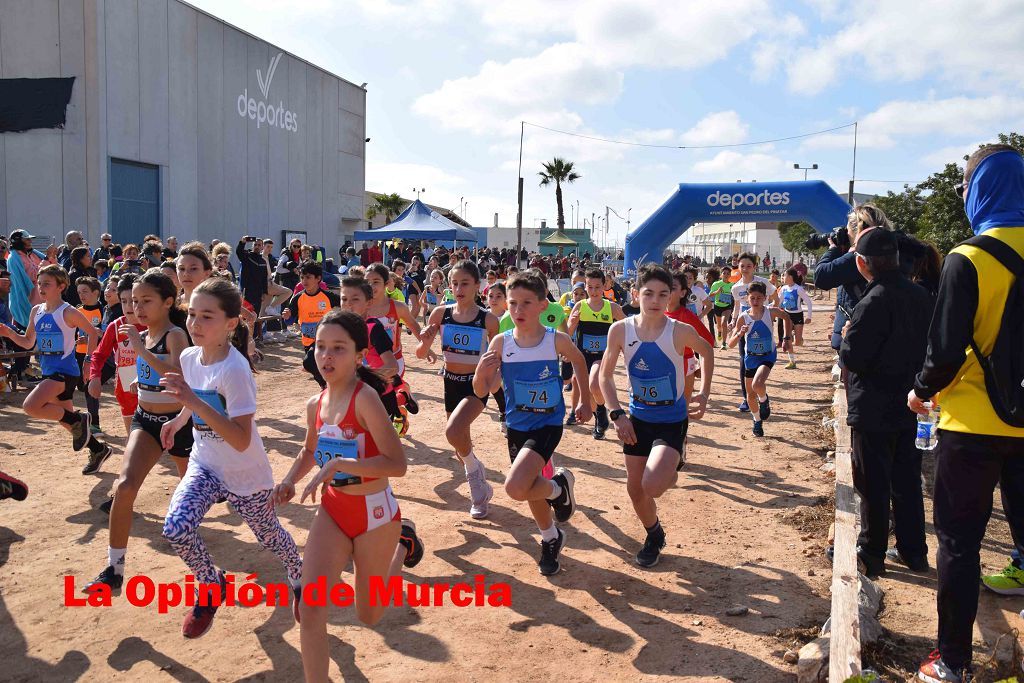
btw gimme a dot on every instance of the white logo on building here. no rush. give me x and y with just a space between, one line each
264 111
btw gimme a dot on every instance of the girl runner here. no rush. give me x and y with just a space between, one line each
124 355
157 350
432 295
88 294
754 327
465 331
747 262
654 431
194 266
679 311
525 361
497 305
791 296
216 386
51 330
721 294
392 314
349 435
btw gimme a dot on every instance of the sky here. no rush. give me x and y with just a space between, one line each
450 81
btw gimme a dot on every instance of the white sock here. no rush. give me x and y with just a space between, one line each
115 558
549 534
792 358
471 463
556 491
762 399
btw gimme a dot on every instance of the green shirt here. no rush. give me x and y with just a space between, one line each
721 292
552 316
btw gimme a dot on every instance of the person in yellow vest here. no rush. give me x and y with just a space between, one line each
973 371
308 307
89 290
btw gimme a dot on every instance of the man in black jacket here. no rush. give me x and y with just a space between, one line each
253 276
882 350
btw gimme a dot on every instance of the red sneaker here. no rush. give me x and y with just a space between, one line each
199 619
12 488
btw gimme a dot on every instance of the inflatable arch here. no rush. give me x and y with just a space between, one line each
812 201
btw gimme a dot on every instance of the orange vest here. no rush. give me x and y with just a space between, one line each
311 310
95 317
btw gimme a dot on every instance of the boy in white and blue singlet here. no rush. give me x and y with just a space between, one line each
654 431
524 360
754 327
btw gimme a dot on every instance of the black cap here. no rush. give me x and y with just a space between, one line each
877 242
22 235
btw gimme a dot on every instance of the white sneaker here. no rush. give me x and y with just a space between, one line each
480 492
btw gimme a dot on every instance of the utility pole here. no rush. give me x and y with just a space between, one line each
519 214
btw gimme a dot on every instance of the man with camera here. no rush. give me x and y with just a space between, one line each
253 276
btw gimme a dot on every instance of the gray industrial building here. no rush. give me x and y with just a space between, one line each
178 124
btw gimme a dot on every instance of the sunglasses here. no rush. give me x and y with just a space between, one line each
960 188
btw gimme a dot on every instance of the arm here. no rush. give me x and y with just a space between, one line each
617 313
405 315
487 378
102 352
787 324
864 337
574 319
429 333
806 299
567 350
739 329
835 269
949 334
686 336
285 491
27 340
291 309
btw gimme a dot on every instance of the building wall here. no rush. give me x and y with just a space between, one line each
159 82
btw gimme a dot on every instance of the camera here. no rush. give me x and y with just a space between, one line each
841 236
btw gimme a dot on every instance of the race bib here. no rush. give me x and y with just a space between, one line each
758 344
308 329
790 300
50 343
431 298
328 448
149 378
652 391
594 343
212 399
542 396
724 298
462 339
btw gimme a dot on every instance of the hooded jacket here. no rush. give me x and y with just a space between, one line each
972 292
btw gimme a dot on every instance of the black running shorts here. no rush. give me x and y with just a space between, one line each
70 383
651 434
456 388
152 423
542 441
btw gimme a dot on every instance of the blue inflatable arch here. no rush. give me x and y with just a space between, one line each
812 201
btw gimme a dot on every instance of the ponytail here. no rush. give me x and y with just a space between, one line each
371 378
240 340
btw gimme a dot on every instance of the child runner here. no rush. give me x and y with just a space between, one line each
392 314
589 324
355 297
654 431
157 349
791 296
194 266
679 311
51 330
309 306
754 329
721 294
747 262
497 305
88 290
124 356
578 294
216 388
698 300
465 329
349 434
525 361
432 295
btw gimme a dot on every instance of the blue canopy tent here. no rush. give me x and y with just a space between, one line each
419 222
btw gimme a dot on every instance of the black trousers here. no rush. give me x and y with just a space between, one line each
309 365
967 469
887 468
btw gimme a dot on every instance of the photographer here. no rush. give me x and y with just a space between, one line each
837 267
253 274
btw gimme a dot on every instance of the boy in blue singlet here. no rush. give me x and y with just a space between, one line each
524 361
754 326
654 431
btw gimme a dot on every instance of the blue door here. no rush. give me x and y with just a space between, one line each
134 201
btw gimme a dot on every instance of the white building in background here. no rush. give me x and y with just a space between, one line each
712 240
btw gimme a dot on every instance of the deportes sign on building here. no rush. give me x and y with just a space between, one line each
263 112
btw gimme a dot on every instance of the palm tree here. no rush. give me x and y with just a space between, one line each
388 204
558 171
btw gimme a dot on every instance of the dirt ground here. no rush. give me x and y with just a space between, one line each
731 541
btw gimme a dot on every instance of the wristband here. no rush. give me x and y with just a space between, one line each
616 414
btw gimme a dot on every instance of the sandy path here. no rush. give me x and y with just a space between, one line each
602 615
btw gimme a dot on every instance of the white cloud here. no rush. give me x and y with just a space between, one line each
729 166
719 128
974 45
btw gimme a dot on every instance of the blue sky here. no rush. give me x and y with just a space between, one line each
449 82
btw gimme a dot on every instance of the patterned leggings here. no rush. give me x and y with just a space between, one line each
197 492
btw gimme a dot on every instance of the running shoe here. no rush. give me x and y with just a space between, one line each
95 430
651 552
412 543
80 431
200 618
936 671
871 567
97 458
723 346
758 429
791 365
296 601
105 506
915 564
565 505
410 403
744 408
571 420
108 577
480 492
1010 581
567 389
12 488
764 409
549 551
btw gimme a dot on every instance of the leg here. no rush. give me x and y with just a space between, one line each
873 479
42 402
258 512
743 352
751 395
660 470
192 499
907 498
457 431
760 384
141 453
643 503
799 331
327 552
525 483
309 365
375 554
1011 491
595 386
966 473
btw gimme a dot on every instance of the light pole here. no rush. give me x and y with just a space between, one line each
465 208
461 213
577 214
805 169
422 189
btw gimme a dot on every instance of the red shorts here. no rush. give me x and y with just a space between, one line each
355 515
127 400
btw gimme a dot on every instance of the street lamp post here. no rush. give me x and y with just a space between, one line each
805 169
418 191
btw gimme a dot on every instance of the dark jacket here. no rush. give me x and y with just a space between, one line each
253 280
883 350
838 268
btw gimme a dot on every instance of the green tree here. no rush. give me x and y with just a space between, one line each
388 204
558 171
943 221
793 236
904 209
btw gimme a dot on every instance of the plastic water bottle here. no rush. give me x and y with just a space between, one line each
926 426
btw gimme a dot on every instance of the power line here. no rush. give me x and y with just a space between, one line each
644 144
903 182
